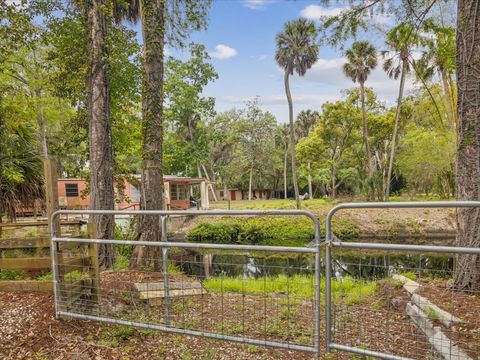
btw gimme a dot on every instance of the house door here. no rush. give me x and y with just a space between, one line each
233 195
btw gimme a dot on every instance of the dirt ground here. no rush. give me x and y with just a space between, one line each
463 305
28 329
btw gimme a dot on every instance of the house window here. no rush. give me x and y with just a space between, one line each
71 190
178 192
222 194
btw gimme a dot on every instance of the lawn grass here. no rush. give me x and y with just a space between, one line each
350 290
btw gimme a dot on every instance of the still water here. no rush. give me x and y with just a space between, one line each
366 266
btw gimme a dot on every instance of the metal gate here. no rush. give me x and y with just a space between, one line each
418 325
278 305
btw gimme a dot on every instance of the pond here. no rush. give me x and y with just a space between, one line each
369 265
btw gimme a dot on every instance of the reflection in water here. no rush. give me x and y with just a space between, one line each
365 266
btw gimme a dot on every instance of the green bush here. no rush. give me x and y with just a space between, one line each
7 274
267 231
223 231
264 231
345 228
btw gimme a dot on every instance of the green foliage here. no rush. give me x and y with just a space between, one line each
329 146
122 262
21 167
45 277
7 274
426 160
187 111
278 231
297 49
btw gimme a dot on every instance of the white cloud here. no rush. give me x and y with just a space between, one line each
280 99
329 72
258 57
223 52
257 4
314 12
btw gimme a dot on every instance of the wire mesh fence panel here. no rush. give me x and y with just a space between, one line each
399 300
260 295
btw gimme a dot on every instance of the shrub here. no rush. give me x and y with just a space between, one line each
7 274
223 231
267 231
278 231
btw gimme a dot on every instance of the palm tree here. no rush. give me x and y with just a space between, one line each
305 122
296 51
398 63
361 60
439 57
284 131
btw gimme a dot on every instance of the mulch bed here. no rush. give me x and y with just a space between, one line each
28 329
464 305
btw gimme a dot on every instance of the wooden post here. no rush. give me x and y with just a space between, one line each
51 188
51 205
94 270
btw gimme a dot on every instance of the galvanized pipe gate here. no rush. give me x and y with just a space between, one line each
330 244
164 245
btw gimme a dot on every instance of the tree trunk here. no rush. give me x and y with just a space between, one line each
292 140
153 29
450 109
250 184
365 126
199 170
210 185
395 129
100 131
309 179
42 133
368 165
285 160
468 154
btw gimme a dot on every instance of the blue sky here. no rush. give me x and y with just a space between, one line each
241 40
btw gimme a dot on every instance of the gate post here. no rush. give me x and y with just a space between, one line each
94 270
166 299
328 282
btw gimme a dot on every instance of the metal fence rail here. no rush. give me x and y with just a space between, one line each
382 300
394 301
275 304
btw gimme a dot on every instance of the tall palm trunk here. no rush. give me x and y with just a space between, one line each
292 140
100 130
153 29
285 159
368 166
468 165
395 128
